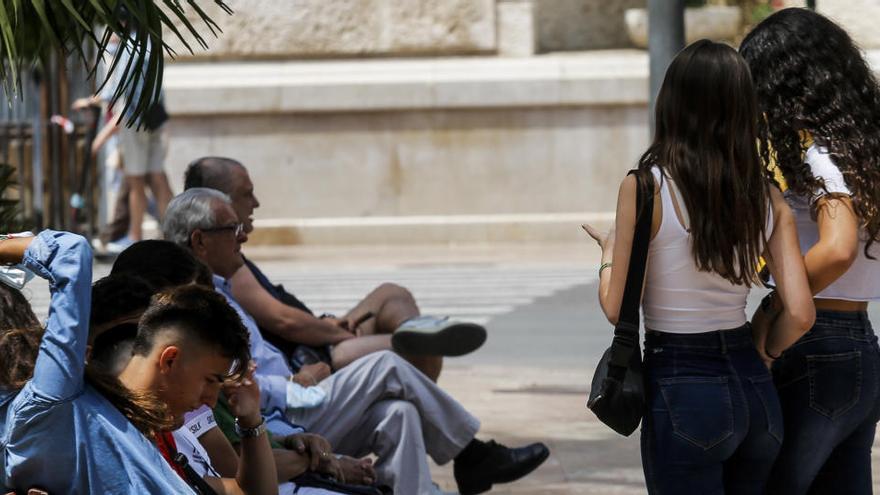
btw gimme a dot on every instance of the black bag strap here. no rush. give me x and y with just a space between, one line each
626 332
635 275
193 479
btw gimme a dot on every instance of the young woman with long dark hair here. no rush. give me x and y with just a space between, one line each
821 125
713 422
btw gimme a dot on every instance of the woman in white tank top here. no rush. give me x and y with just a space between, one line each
822 108
713 421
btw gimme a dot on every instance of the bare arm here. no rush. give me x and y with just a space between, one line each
223 456
12 250
109 129
838 244
617 247
289 323
256 468
795 308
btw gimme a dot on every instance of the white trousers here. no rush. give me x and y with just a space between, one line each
381 404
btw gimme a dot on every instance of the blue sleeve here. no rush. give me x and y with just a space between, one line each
273 391
65 260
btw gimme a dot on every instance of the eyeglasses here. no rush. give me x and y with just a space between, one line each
237 229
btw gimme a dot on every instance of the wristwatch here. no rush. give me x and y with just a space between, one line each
250 432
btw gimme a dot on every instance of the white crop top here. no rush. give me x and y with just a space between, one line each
678 298
862 281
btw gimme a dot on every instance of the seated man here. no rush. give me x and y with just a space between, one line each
185 351
378 404
387 318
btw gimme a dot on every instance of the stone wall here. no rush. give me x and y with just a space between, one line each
301 29
442 150
564 25
261 29
859 17
476 162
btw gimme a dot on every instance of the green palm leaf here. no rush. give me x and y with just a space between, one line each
30 30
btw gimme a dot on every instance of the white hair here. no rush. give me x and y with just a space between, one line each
190 210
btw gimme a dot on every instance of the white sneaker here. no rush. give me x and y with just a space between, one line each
433 336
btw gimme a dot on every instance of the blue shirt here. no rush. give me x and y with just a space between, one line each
61 434
273 372
6 397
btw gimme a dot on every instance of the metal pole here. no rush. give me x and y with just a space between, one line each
811 4
665 40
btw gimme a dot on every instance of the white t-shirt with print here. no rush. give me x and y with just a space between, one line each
198 423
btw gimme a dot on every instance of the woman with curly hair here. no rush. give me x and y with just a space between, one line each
821 126
713 423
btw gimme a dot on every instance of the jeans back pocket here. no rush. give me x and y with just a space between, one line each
835 382
700 408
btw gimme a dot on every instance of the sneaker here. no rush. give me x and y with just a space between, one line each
119 245
499 464
432 336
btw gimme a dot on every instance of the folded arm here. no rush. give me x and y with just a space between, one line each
291 324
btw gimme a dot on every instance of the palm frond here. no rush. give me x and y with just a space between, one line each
32 29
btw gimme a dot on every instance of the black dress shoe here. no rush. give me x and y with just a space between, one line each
500 464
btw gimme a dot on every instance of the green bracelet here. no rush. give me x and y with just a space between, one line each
604 266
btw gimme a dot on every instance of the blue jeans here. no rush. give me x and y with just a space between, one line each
828 385
713 423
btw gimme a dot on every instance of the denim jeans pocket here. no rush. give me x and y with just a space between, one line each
700 408
766 392
835 382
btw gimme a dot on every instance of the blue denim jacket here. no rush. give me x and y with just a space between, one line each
61 434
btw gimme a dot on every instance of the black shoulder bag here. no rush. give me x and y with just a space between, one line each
617 394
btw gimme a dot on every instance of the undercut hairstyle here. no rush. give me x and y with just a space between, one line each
111 350
203 317
190 210
212 172
114 297
705 135
812 78
162 264
20 336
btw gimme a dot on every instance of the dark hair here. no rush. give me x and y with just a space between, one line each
811 77
705 141
203 316
162 264
211 172
116 296
19 347
20 335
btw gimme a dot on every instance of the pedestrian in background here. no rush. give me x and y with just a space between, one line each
143 143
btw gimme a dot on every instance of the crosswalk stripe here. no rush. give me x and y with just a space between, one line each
475 294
